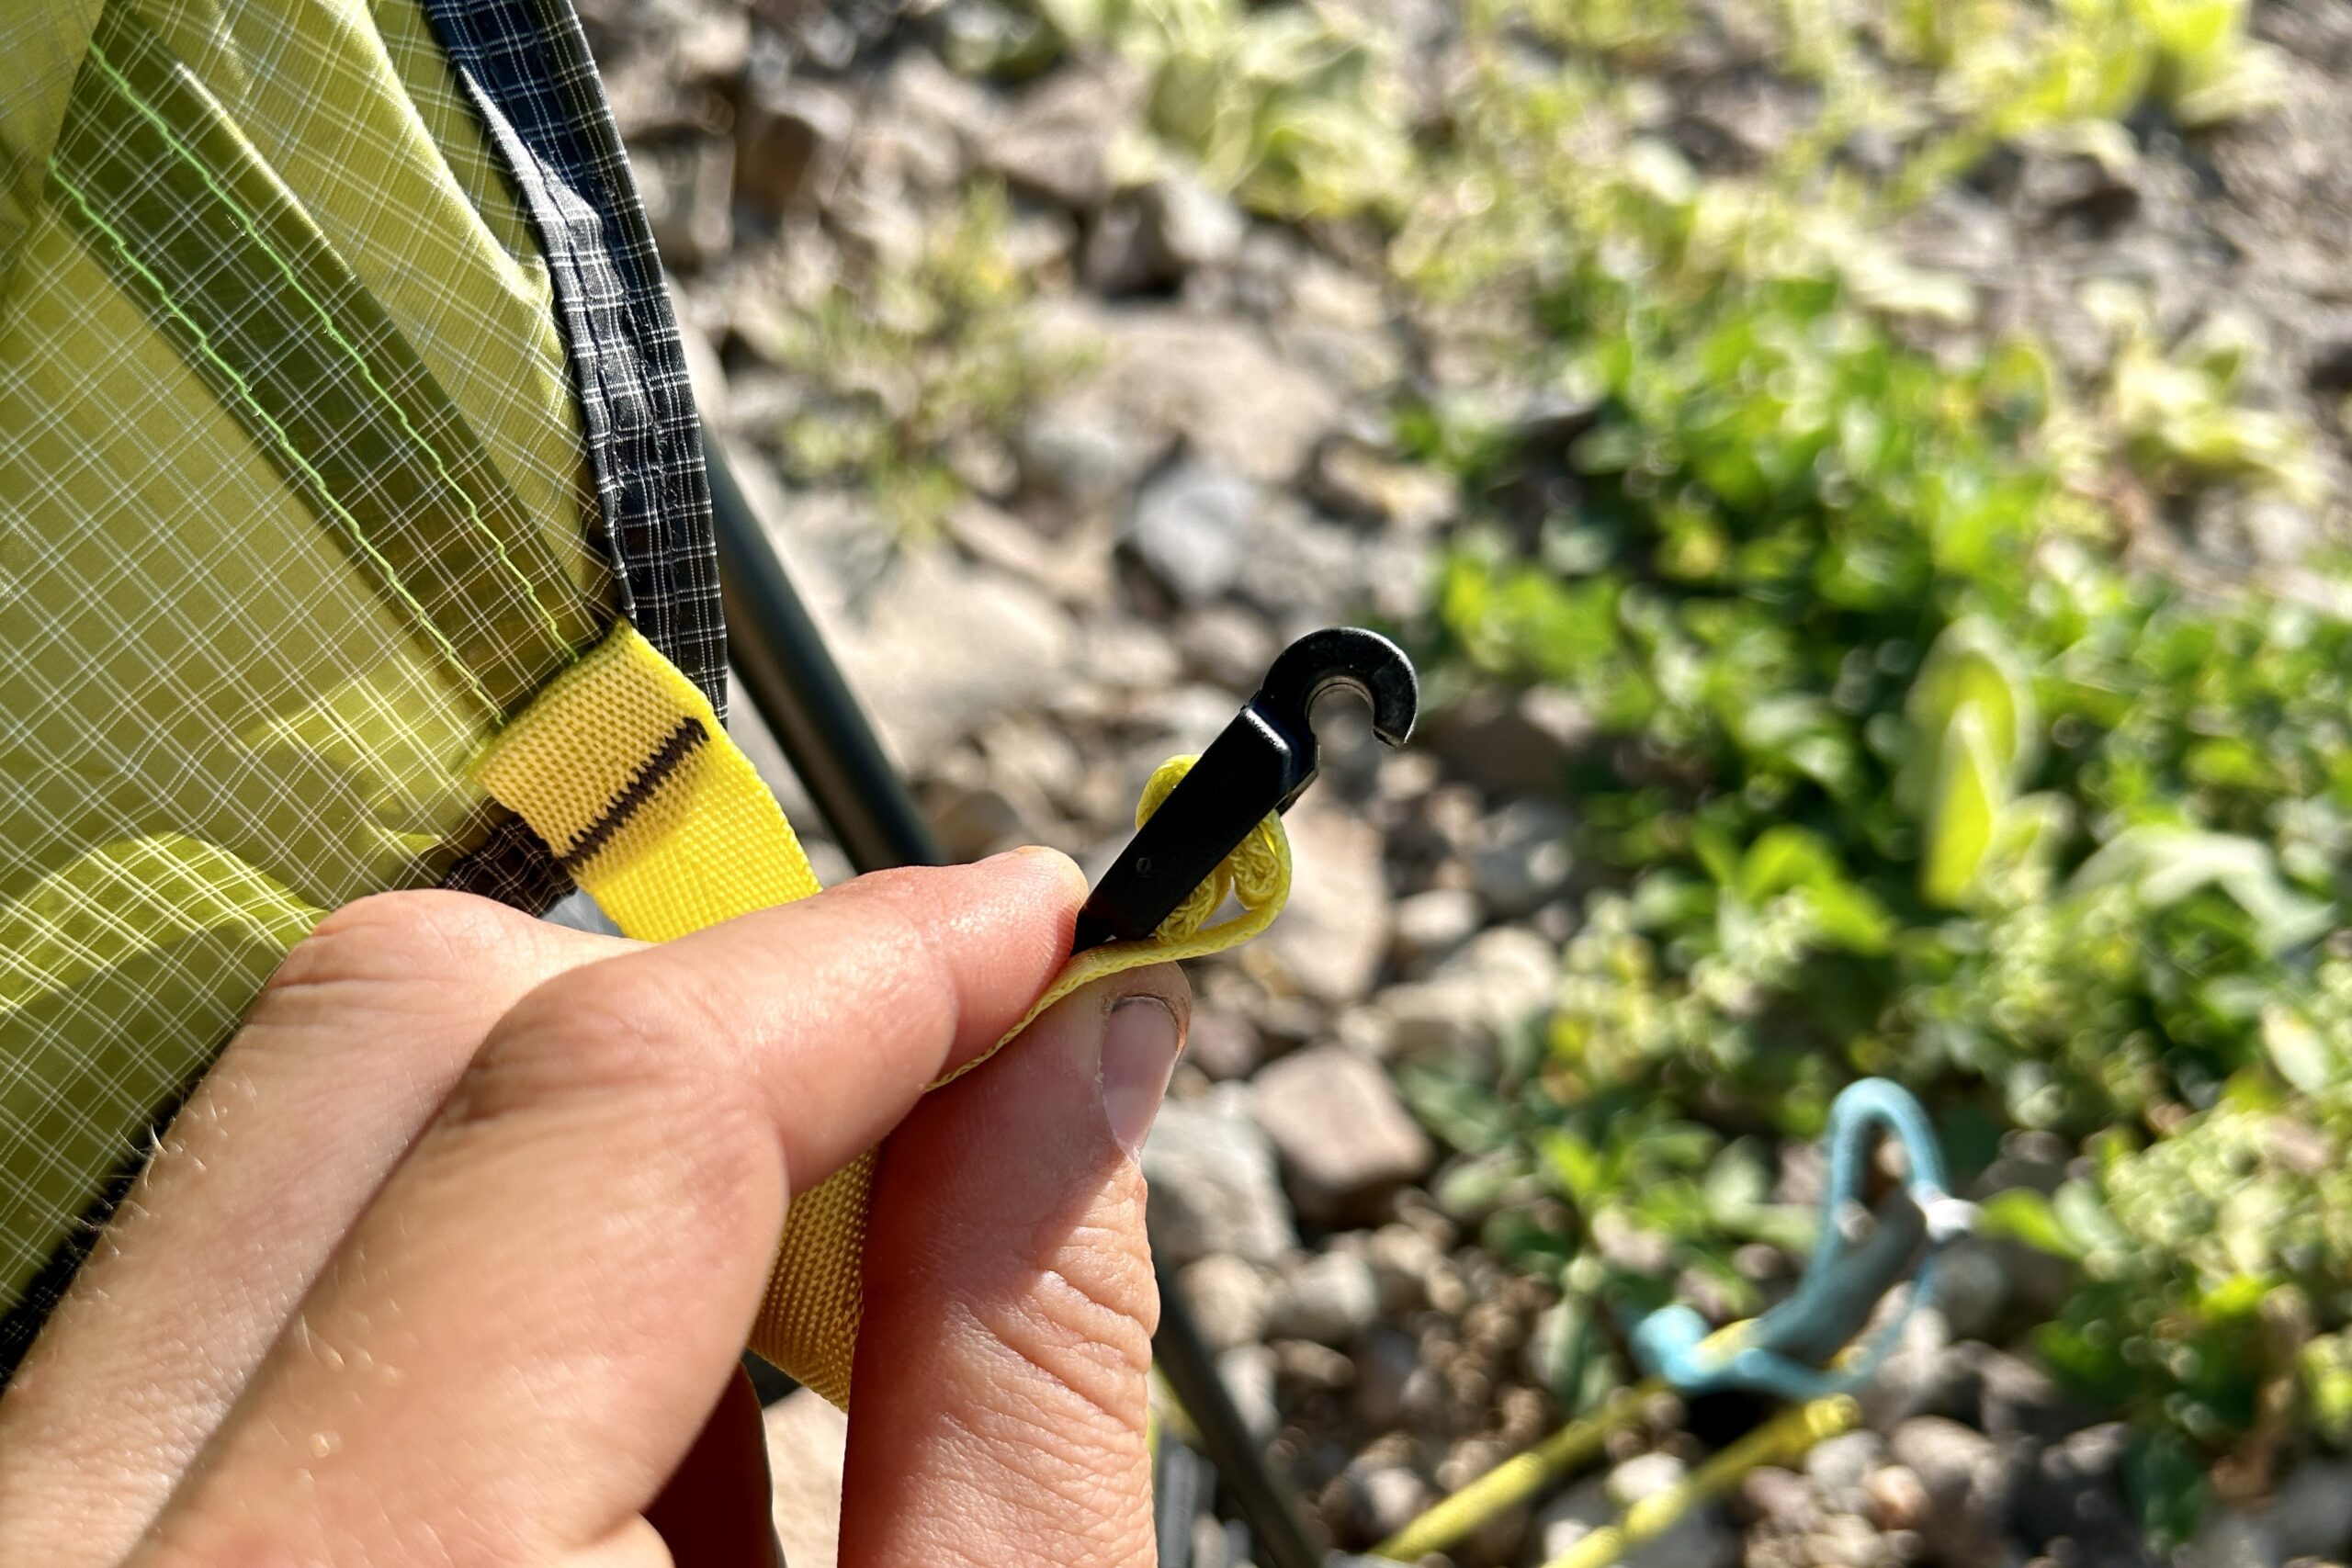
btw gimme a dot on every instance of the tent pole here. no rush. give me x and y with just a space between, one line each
782 665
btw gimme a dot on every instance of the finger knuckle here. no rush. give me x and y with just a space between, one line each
423 934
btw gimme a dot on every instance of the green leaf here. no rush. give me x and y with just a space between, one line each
2022 1214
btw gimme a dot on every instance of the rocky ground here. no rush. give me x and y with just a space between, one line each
1163 449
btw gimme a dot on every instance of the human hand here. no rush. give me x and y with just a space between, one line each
447 1259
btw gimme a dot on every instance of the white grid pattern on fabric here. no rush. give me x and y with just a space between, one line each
214 721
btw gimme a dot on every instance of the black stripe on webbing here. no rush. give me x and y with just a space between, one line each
681 743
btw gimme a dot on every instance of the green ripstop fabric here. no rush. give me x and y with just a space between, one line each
297 507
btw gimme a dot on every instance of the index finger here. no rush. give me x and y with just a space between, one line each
520 1339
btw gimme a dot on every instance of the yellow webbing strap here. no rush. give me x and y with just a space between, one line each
621 766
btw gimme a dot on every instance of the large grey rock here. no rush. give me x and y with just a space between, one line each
940 648
2232 1540
1083 449
1346 1141
1053 142
936 647
1511 744
1213 1183
1194 526
1334 933
807 1440
1500 981
1214 382
2312 1510
1330 1297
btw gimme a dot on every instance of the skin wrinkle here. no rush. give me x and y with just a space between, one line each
983 1492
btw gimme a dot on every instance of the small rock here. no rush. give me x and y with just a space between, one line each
1082 450
1899 1500
1335 931
1839 1466
1153 237
1345 1139
1846 1541
1224 1043
790 133
1430 925
1229 1297
1518 856
2075 1491
1780 1497
1214 1184
2079 188
1572 1515
1702 1537
1227 644
1357 481
688 188
1214 382
1392 1384
1193 526
1384 1499
1313 1367
1967 1489
1248 1373
1053 142
1972 1287
2313 1511
1402 1262
972 824
1491 989
1511 744
1329 1299
807 1440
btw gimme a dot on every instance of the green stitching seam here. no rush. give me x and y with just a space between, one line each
326 320
286 444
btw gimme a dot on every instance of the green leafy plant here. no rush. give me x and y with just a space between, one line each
1902 762
902 361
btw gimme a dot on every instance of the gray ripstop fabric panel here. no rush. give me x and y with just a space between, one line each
527 64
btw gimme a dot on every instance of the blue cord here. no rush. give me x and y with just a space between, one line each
1842 1284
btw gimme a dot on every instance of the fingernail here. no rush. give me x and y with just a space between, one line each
1139 1045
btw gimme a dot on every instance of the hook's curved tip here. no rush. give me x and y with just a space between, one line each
1362 661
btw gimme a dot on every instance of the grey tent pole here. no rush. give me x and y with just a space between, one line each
782 665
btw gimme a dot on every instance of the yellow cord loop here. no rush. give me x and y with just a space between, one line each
1257 871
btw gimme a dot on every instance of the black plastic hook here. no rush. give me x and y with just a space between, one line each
1259 763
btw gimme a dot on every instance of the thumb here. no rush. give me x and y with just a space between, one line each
1001 1371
